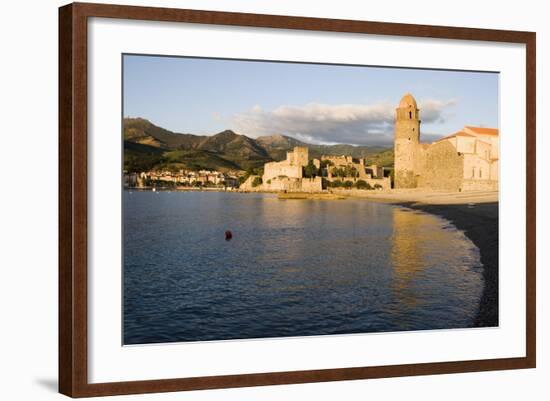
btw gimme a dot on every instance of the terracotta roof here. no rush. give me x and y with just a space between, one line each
459 133
483 130
445 137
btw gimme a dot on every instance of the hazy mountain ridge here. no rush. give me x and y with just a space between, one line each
149 146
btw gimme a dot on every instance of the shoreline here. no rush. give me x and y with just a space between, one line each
479 222
180 189
474 213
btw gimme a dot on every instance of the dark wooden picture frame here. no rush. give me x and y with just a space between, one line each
73 198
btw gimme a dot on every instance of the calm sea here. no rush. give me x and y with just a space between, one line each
292 268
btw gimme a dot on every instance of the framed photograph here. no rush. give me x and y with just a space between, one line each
250 200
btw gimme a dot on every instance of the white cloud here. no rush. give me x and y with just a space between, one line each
340 123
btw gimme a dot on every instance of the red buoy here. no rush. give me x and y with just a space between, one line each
228 235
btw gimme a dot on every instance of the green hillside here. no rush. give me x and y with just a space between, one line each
147 146
278 145
139 157
142 131
196 160
383 158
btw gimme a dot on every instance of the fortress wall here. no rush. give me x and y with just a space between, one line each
363 175
299 156
377 171
247 185
276 169
405 179
385 183
443 168
312 184
419 162
293 184
281 184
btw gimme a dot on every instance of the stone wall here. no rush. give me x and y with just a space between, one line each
442 168
291 167
385 182
375 171
247 185
299 156
364 172
338 160
277 169
404 179
479 185
312 184
286 184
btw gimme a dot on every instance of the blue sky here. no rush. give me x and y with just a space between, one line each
312 102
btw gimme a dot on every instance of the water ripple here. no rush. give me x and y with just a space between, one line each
293 268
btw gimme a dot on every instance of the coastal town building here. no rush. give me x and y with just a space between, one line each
181 178
464 161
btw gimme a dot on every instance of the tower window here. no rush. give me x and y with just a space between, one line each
410 114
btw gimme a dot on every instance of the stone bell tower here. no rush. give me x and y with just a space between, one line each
407 140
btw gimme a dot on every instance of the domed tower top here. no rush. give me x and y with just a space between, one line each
408 101
407 109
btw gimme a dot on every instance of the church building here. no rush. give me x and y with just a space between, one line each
467 160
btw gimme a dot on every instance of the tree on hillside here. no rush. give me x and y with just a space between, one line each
351 171
311 171
338 172
256 181
362 184
251 171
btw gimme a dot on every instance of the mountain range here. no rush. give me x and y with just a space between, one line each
148 146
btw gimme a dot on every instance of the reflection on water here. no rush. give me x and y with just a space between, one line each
407 255
292 268
422 247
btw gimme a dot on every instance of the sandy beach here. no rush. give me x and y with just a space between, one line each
476 213
424 196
